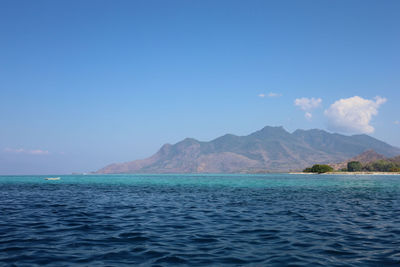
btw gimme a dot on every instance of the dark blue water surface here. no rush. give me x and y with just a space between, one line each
200 220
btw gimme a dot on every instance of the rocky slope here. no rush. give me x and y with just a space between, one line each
364 158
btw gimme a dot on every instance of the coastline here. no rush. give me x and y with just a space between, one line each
350 173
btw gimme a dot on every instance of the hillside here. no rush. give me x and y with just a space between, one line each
269 149
364 158
369 161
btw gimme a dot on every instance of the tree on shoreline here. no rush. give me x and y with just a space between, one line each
382 166
319 168
354 166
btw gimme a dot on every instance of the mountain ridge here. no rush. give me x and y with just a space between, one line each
268 149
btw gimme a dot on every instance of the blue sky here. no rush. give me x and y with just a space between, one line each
87 83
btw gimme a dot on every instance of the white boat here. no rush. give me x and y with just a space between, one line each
52 178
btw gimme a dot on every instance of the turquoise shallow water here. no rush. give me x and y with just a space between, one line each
200 220
230 180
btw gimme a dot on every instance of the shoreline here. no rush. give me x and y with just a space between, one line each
350 173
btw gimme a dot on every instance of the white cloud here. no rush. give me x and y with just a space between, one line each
272 94
308 104
38 152
24 151
353 115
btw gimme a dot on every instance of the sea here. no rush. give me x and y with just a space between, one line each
200 220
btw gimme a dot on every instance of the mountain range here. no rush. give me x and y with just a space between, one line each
271 149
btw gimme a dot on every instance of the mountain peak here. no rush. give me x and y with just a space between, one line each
368 156
309 131
270 131
189 140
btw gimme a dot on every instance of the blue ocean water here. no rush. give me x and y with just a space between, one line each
200 220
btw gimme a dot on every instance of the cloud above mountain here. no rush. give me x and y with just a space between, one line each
308 104
353 115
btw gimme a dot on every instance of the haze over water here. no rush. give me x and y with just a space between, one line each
200 220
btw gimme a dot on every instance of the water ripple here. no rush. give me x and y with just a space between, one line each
302 223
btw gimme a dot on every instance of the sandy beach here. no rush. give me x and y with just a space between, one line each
351 173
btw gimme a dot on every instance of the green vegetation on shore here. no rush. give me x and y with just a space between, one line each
382 166
319 168
356 166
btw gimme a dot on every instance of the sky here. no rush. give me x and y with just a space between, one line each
87 83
